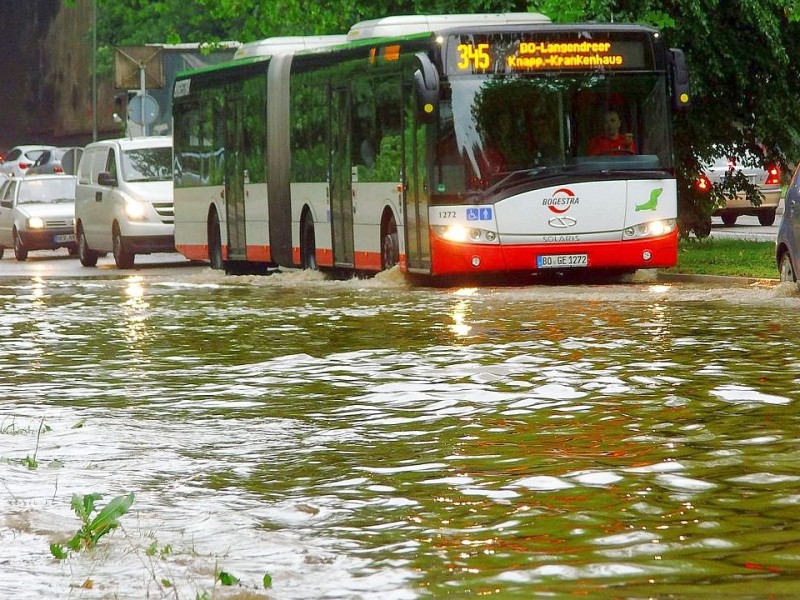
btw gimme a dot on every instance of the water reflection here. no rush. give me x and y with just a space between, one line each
367 439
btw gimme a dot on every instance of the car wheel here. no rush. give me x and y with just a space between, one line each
703 228
729 219
767 217
785 269
390 247
20 251
215 243
123 257
308 244
87 257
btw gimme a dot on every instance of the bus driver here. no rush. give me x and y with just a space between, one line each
611 141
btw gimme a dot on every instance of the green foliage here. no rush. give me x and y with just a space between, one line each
727 257
93 528
227 579
743 57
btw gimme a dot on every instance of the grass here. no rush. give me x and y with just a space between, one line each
728 257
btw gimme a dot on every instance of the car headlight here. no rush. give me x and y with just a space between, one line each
134 210
35 223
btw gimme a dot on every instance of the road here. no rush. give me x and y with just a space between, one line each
58 263
746 228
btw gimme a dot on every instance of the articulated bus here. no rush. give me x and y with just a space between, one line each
450 145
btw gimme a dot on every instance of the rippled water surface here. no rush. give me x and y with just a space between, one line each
368 439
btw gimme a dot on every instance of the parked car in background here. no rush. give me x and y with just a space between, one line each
123 200
20 158
766 179
787 243
37 213
57 160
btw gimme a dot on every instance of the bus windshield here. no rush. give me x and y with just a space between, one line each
533 126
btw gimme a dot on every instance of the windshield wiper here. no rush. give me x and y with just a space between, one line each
513 178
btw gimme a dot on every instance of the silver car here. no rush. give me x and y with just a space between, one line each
20 158
766 179
37 213
57 160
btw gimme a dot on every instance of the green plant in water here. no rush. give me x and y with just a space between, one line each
227 579
93 528
30 461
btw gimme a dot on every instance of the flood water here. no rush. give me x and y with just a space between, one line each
370 439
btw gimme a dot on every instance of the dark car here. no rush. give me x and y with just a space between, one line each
787 250
57 161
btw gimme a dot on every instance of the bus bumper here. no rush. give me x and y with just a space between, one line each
448 258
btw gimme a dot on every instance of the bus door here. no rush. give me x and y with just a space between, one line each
234 178
418 248
341 180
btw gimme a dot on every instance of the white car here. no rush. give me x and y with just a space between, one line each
20 158
766 179
123 200
37 213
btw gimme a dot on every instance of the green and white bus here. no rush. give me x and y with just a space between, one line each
449 145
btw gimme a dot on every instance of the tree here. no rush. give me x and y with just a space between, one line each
744 60
743 56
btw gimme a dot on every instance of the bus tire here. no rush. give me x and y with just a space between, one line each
390 246
123 257
87 257
308 244
215 243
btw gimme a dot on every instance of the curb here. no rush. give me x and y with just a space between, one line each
718 279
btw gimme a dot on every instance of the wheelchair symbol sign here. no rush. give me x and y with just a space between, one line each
483 213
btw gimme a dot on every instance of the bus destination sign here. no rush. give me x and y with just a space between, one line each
498 53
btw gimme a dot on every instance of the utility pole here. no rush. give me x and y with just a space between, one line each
94 70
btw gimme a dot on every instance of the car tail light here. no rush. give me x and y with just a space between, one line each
58 170
702 183
773 176
24 166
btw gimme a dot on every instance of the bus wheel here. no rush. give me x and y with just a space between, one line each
215 243
308 244
87 257
390 247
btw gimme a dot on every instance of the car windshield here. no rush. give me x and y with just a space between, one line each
147 164
46 191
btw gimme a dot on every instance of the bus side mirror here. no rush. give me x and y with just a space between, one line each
679 77
426 86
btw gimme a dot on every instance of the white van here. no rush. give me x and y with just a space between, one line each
123 200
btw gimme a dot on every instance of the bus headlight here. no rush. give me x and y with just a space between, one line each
651 229
35 223
460 234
